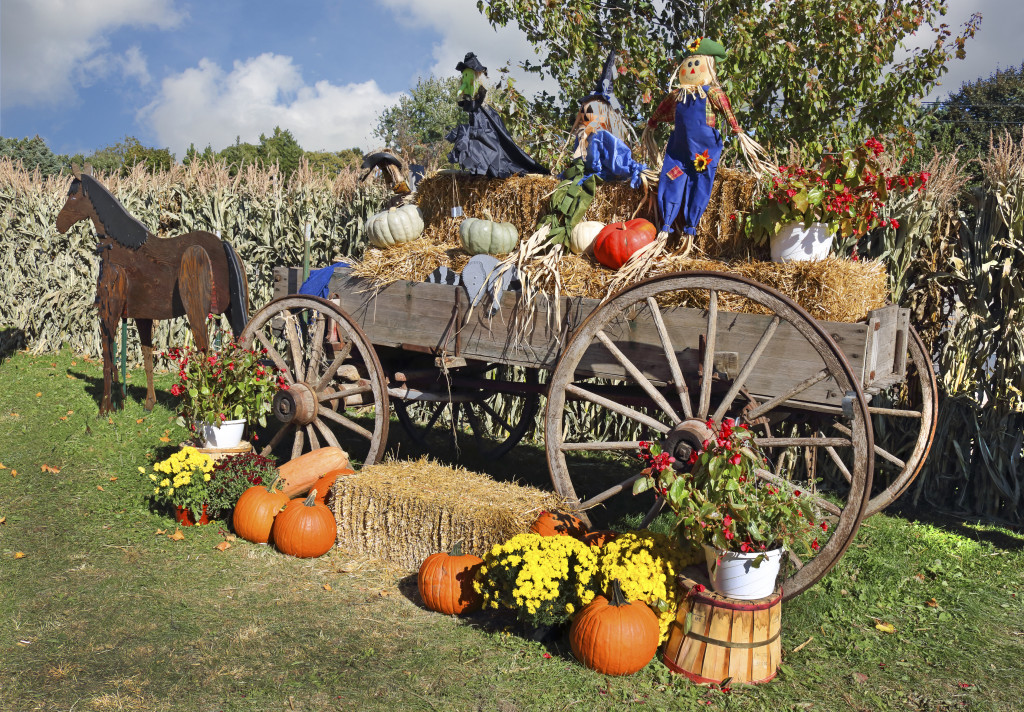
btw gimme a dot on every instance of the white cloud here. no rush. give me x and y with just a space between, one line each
49 47
208 105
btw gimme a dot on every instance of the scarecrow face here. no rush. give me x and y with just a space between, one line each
696 71
470 82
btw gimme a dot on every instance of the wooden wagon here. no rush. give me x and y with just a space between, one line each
665 360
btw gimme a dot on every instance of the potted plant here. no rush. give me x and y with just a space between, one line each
183 482
222 390
743 522
801 209
233 475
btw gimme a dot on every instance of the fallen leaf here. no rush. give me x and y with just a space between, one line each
385 594
803 645
19 555
140 420
113 479
860 677
14 473
47 468
885 627
327 587
229 537
99 487
74 363
176 536
932 603
160 531
71 412
3 466
63 417
70 377
3 519
165 439
15 415
39 394
223 546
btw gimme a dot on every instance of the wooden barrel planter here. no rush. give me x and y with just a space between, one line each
714 637
218 454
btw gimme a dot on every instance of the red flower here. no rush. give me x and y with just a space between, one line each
735 459
699 588
727 521
744 547
815 545
728 534
824 526
796 493
693 457
176 390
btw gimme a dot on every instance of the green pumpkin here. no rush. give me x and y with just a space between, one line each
395 226
486 237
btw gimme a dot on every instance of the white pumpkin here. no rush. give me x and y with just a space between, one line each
582 237
395 226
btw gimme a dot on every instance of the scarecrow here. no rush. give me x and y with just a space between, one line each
484 146
695 144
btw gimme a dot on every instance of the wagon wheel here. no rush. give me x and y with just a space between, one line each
904 418
651 345
497 420
337 392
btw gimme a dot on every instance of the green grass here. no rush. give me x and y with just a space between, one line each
104 612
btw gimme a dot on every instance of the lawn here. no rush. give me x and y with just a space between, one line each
102 610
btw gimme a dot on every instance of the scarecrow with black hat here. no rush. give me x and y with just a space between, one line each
484 146
695 144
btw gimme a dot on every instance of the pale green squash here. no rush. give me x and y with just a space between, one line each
486 237
395 226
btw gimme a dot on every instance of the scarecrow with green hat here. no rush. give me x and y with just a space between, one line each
695 144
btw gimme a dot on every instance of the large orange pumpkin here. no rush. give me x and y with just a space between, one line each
305 528
558 524
446 582
615 636
255 510
614 245
325 485
298 475
599 538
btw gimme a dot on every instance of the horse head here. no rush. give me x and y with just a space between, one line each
77 206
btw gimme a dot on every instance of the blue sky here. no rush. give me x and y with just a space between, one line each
83 74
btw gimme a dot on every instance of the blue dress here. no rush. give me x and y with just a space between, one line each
681 186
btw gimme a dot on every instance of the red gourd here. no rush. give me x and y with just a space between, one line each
615 636
446 582
255 510
614 245
305 528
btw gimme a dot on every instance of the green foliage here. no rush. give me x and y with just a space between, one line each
233 475
280 149
122 157
194 156
239 155
415 127
799 71
33 154
336 161
182 480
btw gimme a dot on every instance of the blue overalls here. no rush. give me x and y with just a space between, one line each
690 189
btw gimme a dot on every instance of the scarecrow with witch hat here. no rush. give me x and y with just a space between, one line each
695 144
483 146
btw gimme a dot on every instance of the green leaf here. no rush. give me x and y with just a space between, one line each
642 485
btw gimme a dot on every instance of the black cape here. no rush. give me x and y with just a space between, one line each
484 146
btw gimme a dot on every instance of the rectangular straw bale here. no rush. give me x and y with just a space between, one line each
403 511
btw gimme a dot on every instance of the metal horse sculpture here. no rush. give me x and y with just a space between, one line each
147 278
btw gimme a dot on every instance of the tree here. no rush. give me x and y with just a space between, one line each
123 156
33 153
415 127
966 120
194 156
332 163
803 70
239 154
282 149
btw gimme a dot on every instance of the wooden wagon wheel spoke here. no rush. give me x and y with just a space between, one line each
747 369
639 377
474 424
617 408
709 356
491 412
275 357
677 347
840 465
342 420
884 454
315 408
670 357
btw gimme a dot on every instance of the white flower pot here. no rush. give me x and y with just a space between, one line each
733 573
227 434
797 243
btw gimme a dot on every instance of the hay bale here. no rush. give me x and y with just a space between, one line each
403 511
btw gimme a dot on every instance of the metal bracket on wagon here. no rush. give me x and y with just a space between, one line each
848 401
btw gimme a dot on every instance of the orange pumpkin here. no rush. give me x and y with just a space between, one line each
255 510
325 485
617 242
446 582
305 528
615 636
599 538
558 524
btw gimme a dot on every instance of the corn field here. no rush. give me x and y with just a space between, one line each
49 280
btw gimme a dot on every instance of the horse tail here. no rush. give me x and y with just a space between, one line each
238 287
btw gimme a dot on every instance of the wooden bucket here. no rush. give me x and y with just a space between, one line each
218 454
714 637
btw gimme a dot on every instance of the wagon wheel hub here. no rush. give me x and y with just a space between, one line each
296 405
684 439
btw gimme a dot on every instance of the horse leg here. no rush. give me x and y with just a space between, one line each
145 327
111 298
195 285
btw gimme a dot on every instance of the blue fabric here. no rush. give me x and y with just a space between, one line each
610 158
319 279
691 191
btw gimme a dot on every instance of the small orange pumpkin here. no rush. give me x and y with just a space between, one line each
615 636
255 510
325 485
558 524
617 242
599 538
305 528
446 582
